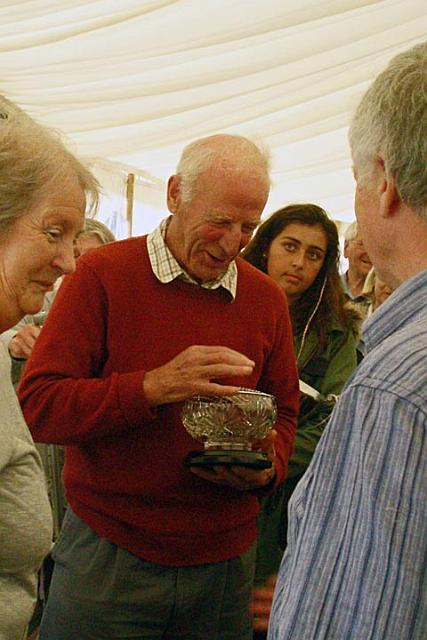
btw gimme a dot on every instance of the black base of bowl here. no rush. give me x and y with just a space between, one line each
211 458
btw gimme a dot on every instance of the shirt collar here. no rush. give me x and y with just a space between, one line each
359 298
166 268
405 304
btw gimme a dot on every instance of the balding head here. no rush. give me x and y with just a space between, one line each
221 155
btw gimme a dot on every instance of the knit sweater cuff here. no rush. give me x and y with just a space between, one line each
132 399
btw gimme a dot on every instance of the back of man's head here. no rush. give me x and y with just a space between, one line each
391 123
351 232
222 154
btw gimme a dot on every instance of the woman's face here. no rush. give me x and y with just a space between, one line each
38 248
295 257
86 242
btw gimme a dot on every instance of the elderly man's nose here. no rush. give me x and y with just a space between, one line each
231 241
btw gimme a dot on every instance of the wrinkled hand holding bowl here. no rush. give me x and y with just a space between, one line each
231 422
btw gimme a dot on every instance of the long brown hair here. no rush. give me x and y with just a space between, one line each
331 302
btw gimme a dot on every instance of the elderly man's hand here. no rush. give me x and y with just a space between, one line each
262 599
240 477
195 371
22 343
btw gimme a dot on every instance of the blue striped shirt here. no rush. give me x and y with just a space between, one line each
356 562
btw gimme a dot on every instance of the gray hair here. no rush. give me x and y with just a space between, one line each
31 157
99 229
351 232
229 152
391 121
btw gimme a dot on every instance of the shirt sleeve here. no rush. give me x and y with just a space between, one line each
7 336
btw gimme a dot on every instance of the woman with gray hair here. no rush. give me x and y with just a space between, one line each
95 233
21 338
42 203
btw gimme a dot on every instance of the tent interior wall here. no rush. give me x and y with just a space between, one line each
130 83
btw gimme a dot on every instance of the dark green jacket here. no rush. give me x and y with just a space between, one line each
327 373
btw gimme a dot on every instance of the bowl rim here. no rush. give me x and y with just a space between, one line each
242 392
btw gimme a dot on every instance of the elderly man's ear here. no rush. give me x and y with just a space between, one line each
174 193
389 197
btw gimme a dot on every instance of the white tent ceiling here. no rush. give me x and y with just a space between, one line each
130 82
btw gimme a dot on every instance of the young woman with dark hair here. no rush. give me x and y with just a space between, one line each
298 247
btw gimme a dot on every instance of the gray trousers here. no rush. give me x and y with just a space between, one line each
101 591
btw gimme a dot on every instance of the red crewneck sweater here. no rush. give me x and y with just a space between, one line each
124 475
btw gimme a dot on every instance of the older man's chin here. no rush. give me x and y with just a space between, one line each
205 272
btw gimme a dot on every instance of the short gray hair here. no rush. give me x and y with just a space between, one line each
99 229
227 151
351 232
31 157
391 121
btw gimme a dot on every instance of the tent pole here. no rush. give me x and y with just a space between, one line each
130 189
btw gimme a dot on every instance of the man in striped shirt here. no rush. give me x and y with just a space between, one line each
355 566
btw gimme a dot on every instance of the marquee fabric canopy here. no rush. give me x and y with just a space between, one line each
130 82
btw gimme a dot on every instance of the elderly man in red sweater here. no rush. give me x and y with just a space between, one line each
150 548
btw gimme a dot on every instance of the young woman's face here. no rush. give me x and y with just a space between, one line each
295 257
